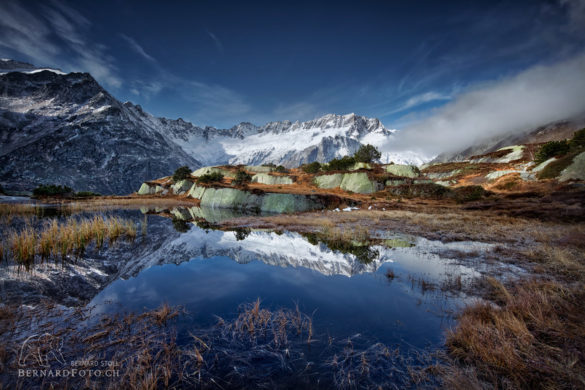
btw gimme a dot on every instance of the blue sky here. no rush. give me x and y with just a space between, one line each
220 63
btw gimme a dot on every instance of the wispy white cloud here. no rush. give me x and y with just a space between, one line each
536 96
55 36
138 48
297 111
216 41
417 100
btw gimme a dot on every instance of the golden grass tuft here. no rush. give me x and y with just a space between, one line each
534 339
59 240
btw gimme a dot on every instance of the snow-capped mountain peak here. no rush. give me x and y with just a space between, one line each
65 128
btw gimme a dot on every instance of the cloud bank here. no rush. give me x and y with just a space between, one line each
534 97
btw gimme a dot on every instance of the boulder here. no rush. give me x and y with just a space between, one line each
516 153
575 171
328 181
147 189
264 178
159 189
398 243
288 203
181 187
214 215
181 213
497 174
358 182
258 168
230 198
402 170
196 191
543 164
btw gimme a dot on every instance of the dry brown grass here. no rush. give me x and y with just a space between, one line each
448 225
534 339
58 240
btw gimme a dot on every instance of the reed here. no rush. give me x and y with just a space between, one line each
59 240
23 247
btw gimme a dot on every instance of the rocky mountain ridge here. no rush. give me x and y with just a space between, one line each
67 129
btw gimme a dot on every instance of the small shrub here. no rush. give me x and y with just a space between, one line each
339 164
551 149
578 140
52 190
427 190
280 169
367 154
313 167
242 177
210 178
241 233
468 193
555 168
86 194
182 173
180 225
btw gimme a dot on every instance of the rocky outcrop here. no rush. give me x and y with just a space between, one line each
264 178
402 170
357 182
328 181
151 189
181 187
575 171
232 198
258 168
510 153
208 170
147 189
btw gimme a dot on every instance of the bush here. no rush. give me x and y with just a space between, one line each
313 167
468 193
242 177
52 190
426 190
180 225
551 149
280 169
210 178
86 194
578 140
367 154
339 164
182 173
